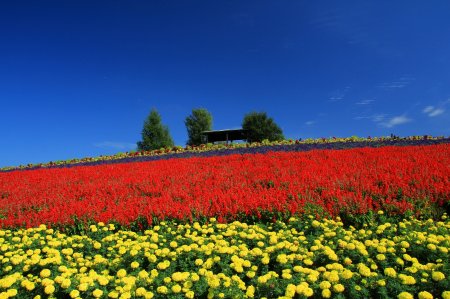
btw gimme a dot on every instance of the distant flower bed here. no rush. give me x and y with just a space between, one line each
207 150
259 186
301 258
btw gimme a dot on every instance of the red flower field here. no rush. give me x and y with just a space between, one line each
395 179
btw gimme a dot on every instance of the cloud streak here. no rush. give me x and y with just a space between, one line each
365 102
383 121
397 84
432 111
395 121
338 95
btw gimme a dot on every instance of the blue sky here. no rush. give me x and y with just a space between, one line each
78 78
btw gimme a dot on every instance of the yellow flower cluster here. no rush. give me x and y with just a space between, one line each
301 257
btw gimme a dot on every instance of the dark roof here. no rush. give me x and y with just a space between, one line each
225 135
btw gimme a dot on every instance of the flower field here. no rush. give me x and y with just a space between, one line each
349 223
210 150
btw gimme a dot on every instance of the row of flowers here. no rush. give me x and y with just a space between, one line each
206 150
257 186
302 258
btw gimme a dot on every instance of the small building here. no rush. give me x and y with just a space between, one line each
225 135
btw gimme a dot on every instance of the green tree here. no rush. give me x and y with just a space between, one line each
259 127
200 120
154 134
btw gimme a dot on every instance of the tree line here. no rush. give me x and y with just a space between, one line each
156 135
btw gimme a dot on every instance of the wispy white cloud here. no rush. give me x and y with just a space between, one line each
397 84
395 121
374 117
116 145
310 122
364 102
383 121
432 111
338 95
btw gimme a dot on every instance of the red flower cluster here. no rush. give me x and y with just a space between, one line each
352 181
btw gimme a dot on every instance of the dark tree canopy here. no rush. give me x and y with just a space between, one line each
259 127
200 120
154 134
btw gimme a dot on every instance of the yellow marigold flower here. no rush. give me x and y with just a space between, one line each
250 292
381 282
30 285
45 273
332 276
326 293
446 295
338 288
308 262
97 293
407 279
364 270
102 280
66 283
437 276
282 258
405 295
134 265
195 277
113 294
390 272
83 287
140 292
290 290
404 244
74 293
381 249
176 288
425 295
45 282
190 294
381 257
286 275
11 292
49 289
162 289
308 292
325 285
347 274
300 289
121 273
163 265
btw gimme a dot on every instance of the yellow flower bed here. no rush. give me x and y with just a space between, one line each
298 259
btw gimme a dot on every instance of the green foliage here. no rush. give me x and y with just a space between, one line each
259 127
154 134
200 120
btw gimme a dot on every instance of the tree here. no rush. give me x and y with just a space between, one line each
200 120
259 127
154 134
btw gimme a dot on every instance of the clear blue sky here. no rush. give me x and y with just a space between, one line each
78 78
